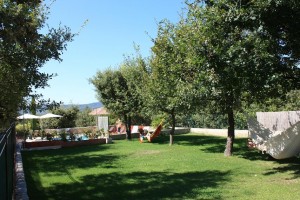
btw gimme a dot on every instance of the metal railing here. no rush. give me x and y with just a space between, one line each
7 163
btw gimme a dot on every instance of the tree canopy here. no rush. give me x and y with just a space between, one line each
224 56
26 44
120 90
244 58
170 87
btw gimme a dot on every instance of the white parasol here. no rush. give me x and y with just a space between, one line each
49 115
28 116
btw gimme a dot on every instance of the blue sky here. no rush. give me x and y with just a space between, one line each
112 29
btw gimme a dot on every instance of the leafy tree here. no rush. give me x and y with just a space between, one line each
33 111
170 87
247 59
290 102
83 118
68 119
293 100
135 71
25 46
111 88
119 90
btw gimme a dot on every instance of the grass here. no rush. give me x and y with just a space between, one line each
193 168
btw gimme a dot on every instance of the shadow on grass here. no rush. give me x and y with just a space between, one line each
215 144
139 185
212 144
75 157
291 165
60 161
192 140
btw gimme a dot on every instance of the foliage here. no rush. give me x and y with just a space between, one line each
67 121
292 100
23 129
112 118
63 135
33 111
170 86
25 46
209 120
69 117
119 90
23 125
49 136
158 118
83 118
135 71
245 58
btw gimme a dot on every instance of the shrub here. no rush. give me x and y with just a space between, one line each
63 136
49 136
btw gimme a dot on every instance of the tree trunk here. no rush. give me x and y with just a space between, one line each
172 132
33 111
230 134
128 126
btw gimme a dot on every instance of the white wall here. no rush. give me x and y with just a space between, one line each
219 132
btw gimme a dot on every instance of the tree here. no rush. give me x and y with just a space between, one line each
84 119
244 60
119 92
68 119
24 49
170 87
134 69
33 111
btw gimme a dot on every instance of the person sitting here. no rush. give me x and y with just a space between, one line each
141 130
143 134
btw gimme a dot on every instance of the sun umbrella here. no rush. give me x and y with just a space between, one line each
49 115
28 116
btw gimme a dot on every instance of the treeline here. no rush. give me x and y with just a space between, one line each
290 102
26 44
222 59
71 117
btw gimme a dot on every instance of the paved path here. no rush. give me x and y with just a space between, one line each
21 187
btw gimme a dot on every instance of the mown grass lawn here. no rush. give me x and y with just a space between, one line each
193 168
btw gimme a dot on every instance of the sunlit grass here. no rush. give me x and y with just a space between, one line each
193 168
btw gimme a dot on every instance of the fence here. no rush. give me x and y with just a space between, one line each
7 164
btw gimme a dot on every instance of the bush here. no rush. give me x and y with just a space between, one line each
157 119
49 136
63 136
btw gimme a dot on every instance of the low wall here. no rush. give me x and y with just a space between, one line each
178 130
122 136
38 144
219 132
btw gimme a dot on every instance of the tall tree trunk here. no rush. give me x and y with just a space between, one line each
128 126
33 111
172 132
230 134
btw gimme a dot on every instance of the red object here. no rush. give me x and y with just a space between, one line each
155 133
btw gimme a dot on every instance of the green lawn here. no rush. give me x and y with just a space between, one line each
193 168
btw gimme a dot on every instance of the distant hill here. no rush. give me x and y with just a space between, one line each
83 106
